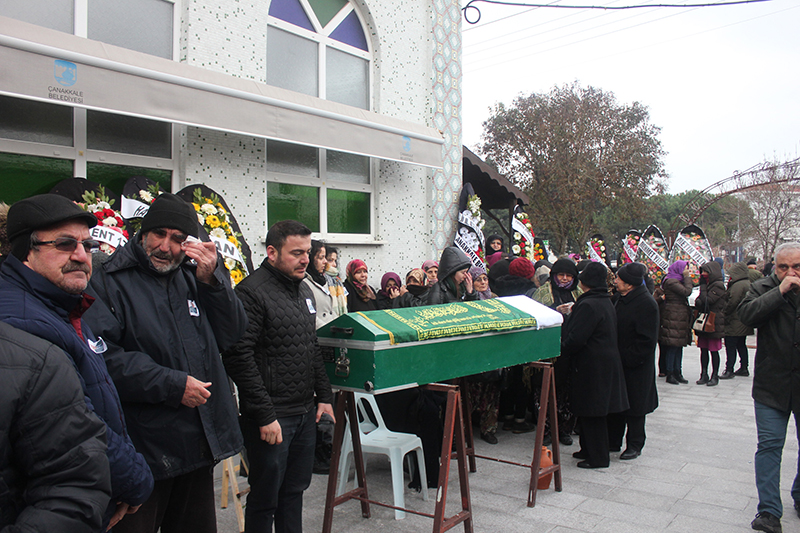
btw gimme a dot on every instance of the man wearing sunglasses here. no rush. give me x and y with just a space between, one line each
166 310
42 284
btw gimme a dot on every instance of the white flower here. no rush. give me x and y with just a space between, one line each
482 224
208 209
517 236
219 233
201 219
146 196
515 249
93 208
230 264
110 221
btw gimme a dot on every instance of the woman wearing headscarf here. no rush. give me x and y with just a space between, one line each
597 387
431 269
480 282
560 293
676 319
711 299
390 290
494 243
454 283
360 297
329 294
415 292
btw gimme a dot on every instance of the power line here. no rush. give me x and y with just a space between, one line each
470 6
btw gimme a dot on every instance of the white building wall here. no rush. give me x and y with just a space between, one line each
229 36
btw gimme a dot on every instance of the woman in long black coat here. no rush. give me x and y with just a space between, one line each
637 337
597 385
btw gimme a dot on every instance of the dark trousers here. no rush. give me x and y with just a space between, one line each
673 360
182 504
635 436
279 474
734 345
594 439
514 400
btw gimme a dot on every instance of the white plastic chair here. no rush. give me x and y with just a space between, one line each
378 439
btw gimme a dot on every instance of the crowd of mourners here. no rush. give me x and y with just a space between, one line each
116 404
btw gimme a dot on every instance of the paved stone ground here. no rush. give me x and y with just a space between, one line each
695 474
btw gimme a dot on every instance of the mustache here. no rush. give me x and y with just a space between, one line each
74 266
160 254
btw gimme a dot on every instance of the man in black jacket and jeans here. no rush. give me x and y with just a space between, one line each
278 369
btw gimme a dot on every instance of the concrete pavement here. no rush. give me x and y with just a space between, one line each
695 474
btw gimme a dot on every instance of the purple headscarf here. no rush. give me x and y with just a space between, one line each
478 271
675 270
385 281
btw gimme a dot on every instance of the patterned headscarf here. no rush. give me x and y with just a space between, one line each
364 292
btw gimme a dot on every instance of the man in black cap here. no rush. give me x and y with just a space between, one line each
637 337
42 284
166 310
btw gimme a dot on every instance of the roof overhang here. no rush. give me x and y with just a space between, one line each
494 190
108 78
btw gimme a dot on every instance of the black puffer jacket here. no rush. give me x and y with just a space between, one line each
442 292
277 364
712 298
676 315
54 474
510 285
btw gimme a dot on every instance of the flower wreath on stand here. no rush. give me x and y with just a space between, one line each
474 206
109 230
539 252
523 236
138 204
214 218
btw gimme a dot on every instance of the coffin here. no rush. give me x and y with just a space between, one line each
379 351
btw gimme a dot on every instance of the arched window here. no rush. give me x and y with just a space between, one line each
319 48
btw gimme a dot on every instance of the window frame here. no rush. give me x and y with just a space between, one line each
322 182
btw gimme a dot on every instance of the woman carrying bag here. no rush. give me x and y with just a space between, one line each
710 301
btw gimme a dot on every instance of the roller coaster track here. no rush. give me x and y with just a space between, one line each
757 176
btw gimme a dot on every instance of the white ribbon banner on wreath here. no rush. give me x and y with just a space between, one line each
593 255
465 247
466 218
518 226
686 245
629 251
108 236
227 249
133 208
651 254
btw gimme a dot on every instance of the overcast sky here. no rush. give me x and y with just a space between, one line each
722 83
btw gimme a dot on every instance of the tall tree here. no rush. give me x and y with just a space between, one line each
575 151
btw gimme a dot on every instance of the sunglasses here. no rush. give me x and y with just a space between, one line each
68 244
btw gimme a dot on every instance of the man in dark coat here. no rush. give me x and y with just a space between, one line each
43 414
772 306
637 337
278 368
42 286
166 309
597 383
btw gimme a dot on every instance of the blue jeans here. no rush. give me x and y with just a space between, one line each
279 474
771 425
674 360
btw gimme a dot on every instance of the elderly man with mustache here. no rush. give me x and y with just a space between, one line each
42 286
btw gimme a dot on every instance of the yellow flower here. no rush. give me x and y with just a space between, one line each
236 276
212 221
196 206
208 201
233 240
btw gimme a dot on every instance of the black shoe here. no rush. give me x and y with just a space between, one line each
681 379
491 438
508 424
565 439
766 522
587 464
661 374
547 440
727 375
742 372
580 454
522 427
713 382
703 380
672 380
797 508
629 454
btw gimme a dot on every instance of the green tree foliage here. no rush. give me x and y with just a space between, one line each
576 152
